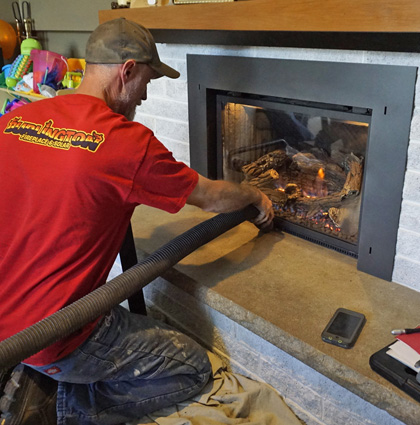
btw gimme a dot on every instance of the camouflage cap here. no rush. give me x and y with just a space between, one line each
119 40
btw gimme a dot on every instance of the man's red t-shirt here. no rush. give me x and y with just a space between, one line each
71 174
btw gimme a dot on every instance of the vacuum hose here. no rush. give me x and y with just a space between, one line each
72 317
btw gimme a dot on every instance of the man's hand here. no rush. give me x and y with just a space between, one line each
264 220
222 196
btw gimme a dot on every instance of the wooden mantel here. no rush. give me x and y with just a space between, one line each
281 15
397 20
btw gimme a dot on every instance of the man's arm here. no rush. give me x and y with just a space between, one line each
222 196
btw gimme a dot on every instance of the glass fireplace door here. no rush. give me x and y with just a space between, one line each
307 158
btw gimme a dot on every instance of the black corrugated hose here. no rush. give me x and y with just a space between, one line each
72 317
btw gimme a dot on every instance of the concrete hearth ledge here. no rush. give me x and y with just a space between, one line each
285 290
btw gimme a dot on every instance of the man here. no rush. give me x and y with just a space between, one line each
73 168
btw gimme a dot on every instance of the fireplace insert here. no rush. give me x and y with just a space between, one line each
307 158
326 141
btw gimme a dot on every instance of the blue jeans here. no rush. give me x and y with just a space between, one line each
131 365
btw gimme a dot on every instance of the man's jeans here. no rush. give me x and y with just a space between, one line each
131 365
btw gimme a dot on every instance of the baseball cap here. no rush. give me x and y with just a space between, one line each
119 40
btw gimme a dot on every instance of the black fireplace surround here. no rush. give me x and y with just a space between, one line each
385 91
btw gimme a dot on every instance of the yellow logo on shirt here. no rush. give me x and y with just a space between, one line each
47 135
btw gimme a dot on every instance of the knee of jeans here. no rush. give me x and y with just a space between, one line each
206 369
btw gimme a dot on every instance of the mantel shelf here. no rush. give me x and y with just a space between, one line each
386 16
387 25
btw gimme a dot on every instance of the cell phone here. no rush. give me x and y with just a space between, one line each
344 328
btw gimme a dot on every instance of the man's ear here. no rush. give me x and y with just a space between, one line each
126 70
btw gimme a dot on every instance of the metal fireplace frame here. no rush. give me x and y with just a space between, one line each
387 90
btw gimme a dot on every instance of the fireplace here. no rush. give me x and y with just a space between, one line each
327 142
307 158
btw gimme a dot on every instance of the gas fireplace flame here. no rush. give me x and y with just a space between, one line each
321 173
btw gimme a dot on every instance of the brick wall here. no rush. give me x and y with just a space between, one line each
166 113
407 260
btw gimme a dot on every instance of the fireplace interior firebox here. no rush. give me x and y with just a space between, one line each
307 158
326 141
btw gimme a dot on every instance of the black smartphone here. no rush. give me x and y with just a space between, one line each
344 328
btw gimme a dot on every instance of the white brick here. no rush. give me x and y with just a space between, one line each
414 155
181 67
407 272
408 244
203 314
172 51
334 415
411 190
290 388
305 417
167 108
175 130
393 58
177 90
410 215
307 399
146 120
415 125
341 400
417 95
156 88
244 355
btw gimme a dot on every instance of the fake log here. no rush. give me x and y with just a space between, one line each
268 176
301 168
266 182
275 160
353 183
312 191
328 183
312 206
